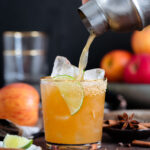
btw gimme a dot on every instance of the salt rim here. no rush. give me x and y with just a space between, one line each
94 87
91 87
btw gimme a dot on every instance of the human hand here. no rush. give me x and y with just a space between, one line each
84 1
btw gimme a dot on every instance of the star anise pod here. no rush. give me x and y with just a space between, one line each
127 121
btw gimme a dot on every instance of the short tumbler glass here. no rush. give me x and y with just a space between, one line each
83 130
25 57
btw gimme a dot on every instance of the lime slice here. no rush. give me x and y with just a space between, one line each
72 92
14 141
63 77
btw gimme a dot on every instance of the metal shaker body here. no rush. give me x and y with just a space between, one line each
117 15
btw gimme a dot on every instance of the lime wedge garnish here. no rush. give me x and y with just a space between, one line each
72 92
14 141
63 77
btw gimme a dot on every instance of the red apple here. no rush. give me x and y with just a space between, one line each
19 103
138 69
84 1
114 63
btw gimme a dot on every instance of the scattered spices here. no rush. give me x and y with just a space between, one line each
8 127
141 143
129 144
126 122
121 144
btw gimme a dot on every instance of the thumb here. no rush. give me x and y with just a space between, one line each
84 1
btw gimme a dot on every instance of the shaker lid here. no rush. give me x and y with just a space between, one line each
93 17
143 7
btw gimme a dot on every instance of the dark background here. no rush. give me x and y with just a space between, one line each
60 20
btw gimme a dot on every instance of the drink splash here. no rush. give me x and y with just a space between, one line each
84 56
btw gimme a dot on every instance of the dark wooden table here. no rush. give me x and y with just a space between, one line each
107 144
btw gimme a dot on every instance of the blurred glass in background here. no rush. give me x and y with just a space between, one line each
24 57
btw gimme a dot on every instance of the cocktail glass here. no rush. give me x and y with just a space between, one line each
81 130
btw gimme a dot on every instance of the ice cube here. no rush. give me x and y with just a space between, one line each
94 74
62 66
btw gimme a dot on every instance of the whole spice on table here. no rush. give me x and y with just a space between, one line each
126 122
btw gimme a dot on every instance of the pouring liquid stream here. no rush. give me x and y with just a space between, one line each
84 56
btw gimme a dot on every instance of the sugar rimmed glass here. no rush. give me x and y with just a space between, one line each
83 130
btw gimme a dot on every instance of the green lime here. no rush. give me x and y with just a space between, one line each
63 77
72 92
14 141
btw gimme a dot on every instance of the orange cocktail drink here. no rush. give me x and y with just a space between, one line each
67 125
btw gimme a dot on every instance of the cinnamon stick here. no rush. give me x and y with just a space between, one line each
141 143
146 124
142 127
105 125
110 123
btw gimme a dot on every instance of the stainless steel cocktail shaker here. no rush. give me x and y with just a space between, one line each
117 15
